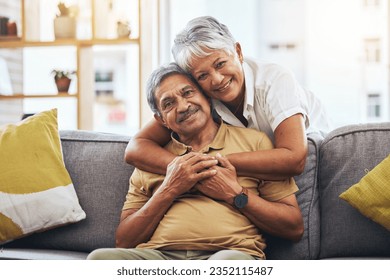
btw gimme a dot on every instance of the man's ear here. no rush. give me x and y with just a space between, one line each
239 52
160 120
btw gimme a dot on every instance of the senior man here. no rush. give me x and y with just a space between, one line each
200 209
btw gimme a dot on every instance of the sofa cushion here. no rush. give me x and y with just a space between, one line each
308 247
345 154
36 191
371 196
95 162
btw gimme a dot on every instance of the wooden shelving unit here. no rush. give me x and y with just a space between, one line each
23 96
84 94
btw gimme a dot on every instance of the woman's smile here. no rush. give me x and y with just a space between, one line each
224 87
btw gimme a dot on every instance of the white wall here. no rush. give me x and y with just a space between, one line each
239 17
334 57
279 23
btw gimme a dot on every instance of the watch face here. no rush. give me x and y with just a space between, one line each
241 200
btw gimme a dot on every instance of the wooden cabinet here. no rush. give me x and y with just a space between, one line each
35 51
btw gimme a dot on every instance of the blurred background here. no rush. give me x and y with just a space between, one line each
339 49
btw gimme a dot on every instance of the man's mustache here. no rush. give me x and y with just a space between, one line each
185 115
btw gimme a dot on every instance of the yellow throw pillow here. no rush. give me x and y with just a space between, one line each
371 196
36 191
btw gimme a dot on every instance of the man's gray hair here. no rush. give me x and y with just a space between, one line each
157 77
200 37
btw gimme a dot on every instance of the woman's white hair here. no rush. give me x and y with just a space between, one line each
200 38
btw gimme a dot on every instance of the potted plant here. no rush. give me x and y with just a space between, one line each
62 79
65 21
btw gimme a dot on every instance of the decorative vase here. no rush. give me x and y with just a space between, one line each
64 27
63 84
123 29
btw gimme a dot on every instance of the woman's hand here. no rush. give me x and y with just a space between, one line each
223 185
185 171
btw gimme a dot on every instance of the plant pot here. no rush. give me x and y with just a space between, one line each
63 84
64 27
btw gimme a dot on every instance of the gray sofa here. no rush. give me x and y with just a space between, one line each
333 229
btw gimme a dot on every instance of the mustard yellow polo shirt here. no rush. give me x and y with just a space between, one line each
197 222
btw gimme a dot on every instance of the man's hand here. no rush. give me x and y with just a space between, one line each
224 185
138 225
185 171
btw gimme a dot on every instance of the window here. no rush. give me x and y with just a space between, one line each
374 106
372 49
286 46
371 3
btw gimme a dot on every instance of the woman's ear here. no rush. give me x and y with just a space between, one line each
160 120
239 52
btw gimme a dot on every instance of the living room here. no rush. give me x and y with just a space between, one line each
339 50
109 96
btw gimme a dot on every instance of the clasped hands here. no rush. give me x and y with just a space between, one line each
214 176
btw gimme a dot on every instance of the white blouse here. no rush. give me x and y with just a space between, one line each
273 95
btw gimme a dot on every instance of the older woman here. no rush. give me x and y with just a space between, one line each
245 93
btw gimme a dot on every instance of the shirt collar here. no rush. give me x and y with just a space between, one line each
249 85
218 143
